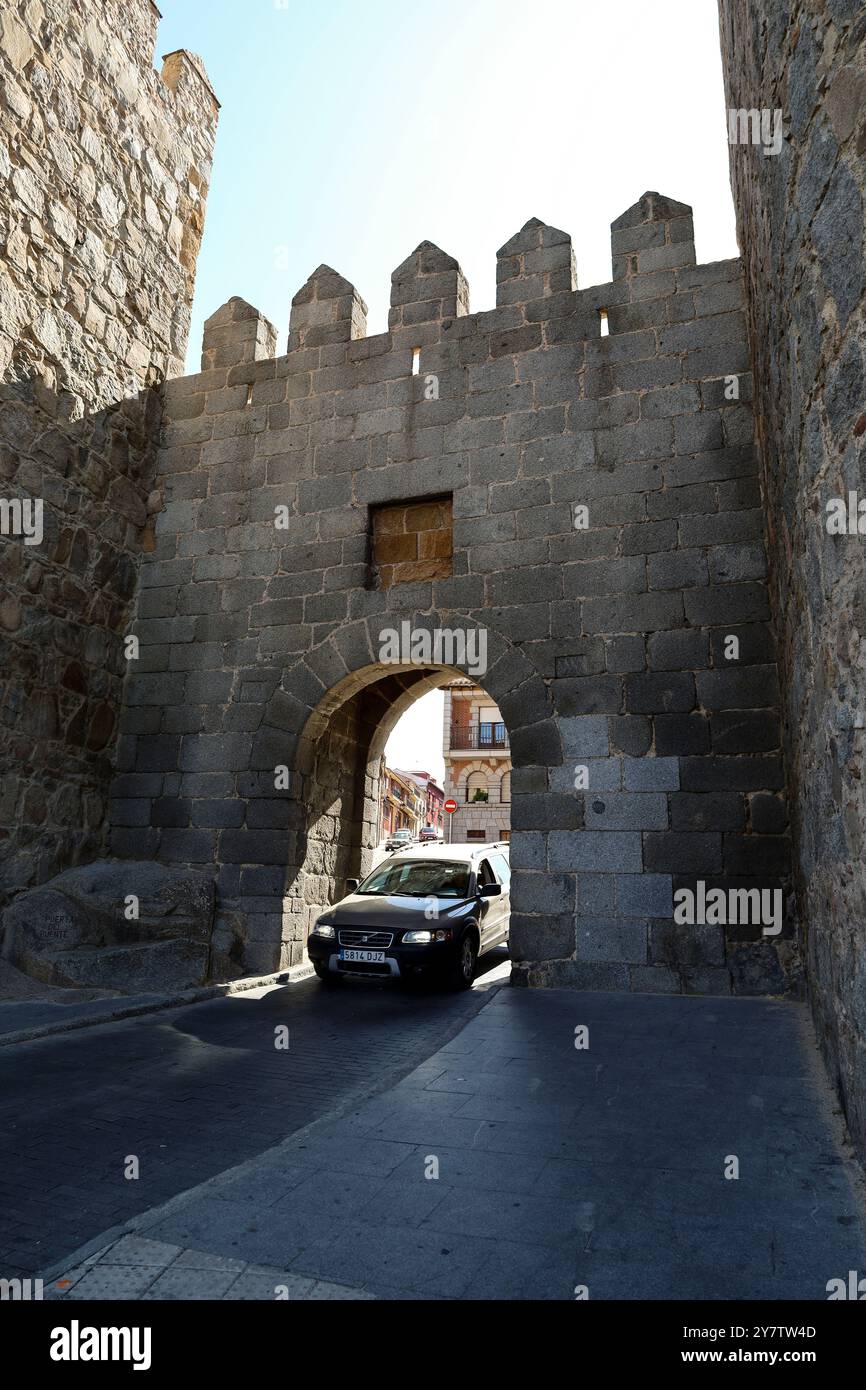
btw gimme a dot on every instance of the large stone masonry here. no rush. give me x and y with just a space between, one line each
104 171
801 224
608 541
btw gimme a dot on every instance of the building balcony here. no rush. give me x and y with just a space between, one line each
480 736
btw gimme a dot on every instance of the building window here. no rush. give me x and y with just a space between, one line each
476 784
505 788
476 835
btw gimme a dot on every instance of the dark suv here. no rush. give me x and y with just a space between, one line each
423 912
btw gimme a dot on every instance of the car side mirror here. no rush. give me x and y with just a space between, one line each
490 890
352 885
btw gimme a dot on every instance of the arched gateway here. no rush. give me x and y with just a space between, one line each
332 747
570 518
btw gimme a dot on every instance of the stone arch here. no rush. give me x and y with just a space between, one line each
328 722
470 765
493 780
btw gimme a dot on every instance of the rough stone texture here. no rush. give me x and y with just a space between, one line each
74 929
801 227
606 642
143 967
104 171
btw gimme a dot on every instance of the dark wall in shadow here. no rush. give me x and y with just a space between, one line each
65 598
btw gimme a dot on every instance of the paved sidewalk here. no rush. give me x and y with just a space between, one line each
558 1167
135 1268
22 1019
67 1010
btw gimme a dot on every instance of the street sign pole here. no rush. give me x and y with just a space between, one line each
449 807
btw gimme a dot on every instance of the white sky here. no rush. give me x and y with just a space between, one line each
416 743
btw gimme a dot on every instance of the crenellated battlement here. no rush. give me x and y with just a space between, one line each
652 288
135 23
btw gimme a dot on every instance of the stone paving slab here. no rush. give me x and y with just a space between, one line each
513 1165
133 1268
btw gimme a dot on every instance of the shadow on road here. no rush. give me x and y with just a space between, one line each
193 1091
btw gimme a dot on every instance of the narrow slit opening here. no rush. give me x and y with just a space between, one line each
249 399
603 325
416 361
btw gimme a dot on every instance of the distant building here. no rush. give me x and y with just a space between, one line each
434 797
477 764
402 805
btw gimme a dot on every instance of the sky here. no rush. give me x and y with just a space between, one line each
416 743
351 130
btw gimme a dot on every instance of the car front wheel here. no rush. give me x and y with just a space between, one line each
328 977
463 973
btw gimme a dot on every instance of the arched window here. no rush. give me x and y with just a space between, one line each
505 788
476 781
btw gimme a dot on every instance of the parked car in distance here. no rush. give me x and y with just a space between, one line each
430 832
418 914
400 839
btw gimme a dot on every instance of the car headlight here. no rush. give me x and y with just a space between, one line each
321 929
417 938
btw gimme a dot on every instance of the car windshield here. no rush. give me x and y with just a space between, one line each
418 878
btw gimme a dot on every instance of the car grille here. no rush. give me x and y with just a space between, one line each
373 939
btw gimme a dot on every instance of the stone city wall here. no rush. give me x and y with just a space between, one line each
608 547
104 172
800 218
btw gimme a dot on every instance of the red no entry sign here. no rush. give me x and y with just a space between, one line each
450 805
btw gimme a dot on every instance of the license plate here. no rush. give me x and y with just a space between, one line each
369 957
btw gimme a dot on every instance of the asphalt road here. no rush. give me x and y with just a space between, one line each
189 1093
691 1148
